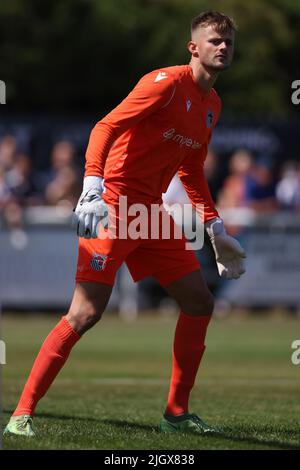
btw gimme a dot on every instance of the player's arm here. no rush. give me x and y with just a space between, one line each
228 252
192 176
152 92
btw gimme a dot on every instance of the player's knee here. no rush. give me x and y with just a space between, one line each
200 304
85 317
91 315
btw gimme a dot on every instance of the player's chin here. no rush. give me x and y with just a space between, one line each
221 66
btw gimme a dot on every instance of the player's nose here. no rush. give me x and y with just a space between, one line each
223 46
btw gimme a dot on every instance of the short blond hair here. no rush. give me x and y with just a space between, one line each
221 22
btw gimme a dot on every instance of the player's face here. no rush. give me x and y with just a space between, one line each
215 49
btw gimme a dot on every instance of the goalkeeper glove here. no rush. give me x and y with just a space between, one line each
91 208
228 252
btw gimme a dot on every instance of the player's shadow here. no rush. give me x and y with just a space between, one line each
227 435
119 423
275 443
127 425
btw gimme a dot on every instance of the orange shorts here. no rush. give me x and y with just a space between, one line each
165 259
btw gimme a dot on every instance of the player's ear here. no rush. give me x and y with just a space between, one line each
192 48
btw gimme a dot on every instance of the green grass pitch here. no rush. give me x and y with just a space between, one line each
112 391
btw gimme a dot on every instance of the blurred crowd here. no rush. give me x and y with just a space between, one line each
22 185
247 181
242 180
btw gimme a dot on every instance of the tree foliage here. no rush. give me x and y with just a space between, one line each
86 55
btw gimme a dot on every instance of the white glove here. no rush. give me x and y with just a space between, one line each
228 252
91 208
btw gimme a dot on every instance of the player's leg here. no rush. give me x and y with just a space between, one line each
192 294
178 271
98 262
196 307
88 304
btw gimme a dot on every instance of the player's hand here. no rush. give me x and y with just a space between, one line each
228 252
91 208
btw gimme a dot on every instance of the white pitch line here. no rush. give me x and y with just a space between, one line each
153 382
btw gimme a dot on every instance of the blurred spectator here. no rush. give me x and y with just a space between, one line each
21 186
260 188
8 146
5 192
249 184
13 215
64 189
63 155
234 190
20 181
62 183
288 187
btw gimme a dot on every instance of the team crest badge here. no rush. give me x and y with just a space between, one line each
209 119
98 262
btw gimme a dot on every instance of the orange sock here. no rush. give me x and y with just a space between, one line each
188 349
51 358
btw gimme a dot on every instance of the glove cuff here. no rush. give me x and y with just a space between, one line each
214 227
93 182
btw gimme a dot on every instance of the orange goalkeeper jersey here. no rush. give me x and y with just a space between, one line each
162 127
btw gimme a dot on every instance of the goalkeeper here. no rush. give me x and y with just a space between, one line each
162 127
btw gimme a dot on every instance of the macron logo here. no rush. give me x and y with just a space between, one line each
160 76
188 105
